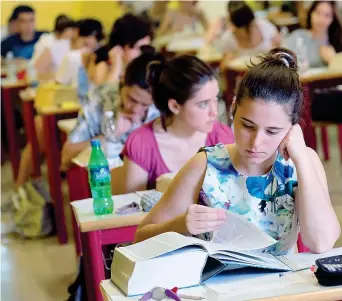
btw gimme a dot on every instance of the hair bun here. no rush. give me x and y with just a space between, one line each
283 55
154 71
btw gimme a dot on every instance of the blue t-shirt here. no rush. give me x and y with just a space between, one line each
20 48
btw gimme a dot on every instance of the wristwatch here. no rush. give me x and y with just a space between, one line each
158 294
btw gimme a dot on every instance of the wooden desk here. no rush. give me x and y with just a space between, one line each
99 231
77 178
9 90
52 138
186 45
322 78
29 113
298 286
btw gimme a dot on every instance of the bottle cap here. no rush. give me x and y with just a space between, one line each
109 114
95 142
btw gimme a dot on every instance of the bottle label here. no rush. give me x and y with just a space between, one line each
100 174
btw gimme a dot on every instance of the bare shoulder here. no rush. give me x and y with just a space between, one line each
196 165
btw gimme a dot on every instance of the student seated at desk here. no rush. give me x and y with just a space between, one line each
268 176
52 47
129 34
248 35
322 38
187 15
185 91
132 106
90 34
21 44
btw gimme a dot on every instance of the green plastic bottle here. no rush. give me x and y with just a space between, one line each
99 180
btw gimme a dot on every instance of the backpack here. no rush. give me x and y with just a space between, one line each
33 212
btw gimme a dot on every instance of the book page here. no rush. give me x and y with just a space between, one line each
159 245
241 234
303 261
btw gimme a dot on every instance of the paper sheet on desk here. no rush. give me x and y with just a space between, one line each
305 260
242 234
234 283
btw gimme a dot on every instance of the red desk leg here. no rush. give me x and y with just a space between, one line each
30 130
13 146
93 264
339 131
53 158
92 243
77 178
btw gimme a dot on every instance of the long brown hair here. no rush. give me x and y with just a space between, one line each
334 30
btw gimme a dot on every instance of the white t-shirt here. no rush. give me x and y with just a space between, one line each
228 42
44 41
67 73
58 49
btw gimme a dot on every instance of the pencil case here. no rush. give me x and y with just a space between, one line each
329 271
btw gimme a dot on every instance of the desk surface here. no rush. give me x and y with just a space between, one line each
28 94
166 40
8 84
191 44
83 157
88 221
298 286
54 110
67 125
313 74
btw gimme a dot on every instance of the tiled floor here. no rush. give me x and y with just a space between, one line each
41 270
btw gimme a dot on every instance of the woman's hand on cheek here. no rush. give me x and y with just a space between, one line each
293 145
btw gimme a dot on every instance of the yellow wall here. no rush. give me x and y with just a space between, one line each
47 11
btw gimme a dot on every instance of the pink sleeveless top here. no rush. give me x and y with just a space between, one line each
142 148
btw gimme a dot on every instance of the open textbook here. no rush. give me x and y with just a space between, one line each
171 259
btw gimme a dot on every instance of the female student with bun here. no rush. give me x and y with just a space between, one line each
185 91
268 176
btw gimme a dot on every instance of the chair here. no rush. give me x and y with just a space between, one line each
325 81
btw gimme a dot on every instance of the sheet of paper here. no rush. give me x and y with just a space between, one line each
234 283
305 260
241 234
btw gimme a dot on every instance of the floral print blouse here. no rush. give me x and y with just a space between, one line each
268 201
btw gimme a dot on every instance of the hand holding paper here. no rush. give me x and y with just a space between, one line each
200 219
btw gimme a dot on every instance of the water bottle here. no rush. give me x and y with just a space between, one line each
108 126
32 75
99 180
108 131
302 55
10 66
283 32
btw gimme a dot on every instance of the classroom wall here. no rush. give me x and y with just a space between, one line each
47 11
